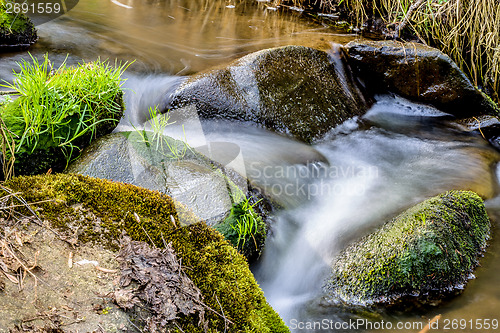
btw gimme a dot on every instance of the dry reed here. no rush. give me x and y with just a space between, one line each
467 30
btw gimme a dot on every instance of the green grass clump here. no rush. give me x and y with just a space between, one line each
15 29
101 210
244 229
60 110
428 251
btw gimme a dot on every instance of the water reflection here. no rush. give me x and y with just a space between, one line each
172 36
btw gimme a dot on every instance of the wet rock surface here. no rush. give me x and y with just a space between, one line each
422 255
486 126
294 90
171 167
417 72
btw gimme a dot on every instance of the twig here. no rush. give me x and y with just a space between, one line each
135 326
180 329
25 204
105 270
403 23
223 315
24 267
479 127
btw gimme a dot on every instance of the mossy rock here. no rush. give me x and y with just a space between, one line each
426 253
16 30
211 262
296 90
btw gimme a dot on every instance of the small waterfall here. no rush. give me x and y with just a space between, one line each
143 92
373 175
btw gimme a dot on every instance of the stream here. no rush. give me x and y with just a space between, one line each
373 168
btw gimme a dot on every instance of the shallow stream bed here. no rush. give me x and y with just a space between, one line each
377 166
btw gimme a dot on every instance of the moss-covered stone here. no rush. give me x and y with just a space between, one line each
294 90
101 210
425 253
16 30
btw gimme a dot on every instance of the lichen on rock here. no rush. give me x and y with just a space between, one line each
423 254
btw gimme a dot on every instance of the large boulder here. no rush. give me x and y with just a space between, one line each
168 166
417 72
294 90
87 217
422 255
16 30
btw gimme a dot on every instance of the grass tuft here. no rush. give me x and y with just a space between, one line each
61 109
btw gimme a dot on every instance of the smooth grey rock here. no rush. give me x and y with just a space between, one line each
294 90
189 177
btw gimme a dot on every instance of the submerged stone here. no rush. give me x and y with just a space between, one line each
294 90
417 72
424 254
16 30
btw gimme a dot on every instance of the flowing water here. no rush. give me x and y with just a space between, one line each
363 173
172 36
405 154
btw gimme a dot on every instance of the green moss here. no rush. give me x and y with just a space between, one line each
15 29
431 248
102 210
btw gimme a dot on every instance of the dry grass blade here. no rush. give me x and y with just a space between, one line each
7 149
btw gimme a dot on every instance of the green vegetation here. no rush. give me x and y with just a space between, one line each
15 29
59 111
156 139
244 228
428 251
101 210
